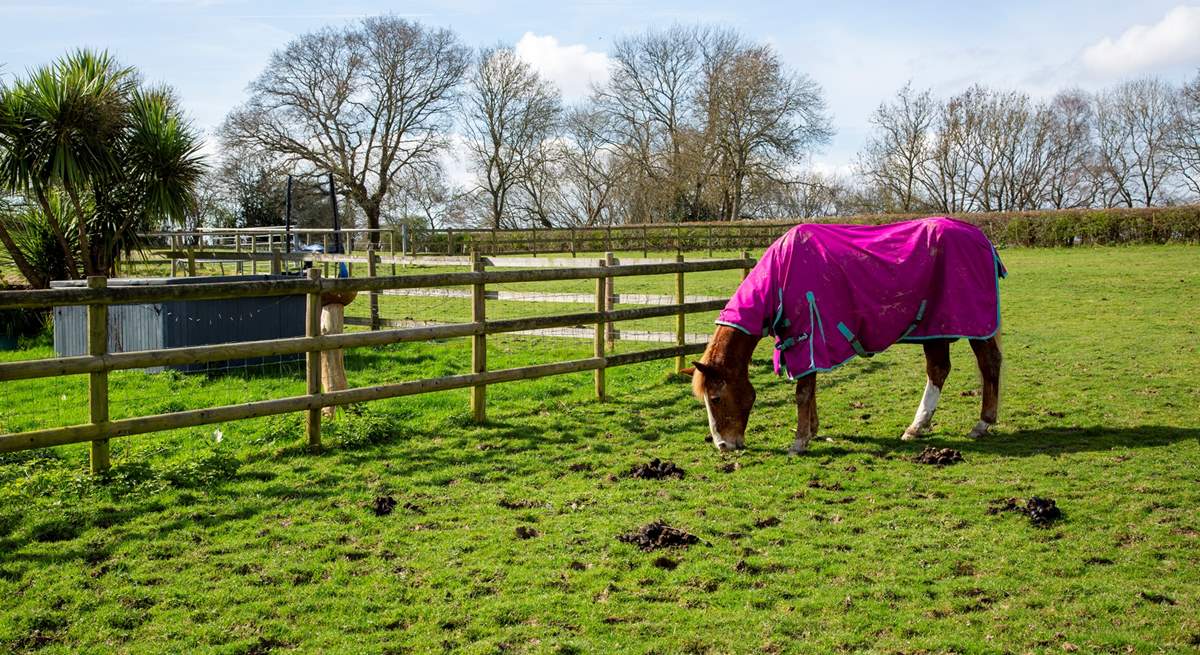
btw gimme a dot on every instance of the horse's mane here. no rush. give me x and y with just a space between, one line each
728 351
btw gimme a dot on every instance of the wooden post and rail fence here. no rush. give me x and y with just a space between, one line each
98 363
459 242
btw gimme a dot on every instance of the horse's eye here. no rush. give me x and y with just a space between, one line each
715 399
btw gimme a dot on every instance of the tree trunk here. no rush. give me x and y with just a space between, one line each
68 254
34 277
84 248
333 364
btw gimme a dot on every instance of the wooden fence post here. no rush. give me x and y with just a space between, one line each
710 241
610 301
174 254
392 249
312 368
598 342
254 254
325 251
645 242
572 242
449 242
237 247
98 382
372 257
679 318
745 268
478 343
277 263
191 262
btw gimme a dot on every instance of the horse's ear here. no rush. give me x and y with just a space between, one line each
689 371
708 371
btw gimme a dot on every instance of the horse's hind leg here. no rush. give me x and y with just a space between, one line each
806 413
937 368
987 352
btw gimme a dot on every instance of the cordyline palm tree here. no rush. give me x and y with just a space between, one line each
122 155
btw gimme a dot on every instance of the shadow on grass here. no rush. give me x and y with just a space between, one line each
1051 441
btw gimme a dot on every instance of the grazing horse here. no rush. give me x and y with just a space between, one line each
829 293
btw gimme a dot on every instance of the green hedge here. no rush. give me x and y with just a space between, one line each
1060 228
1092 226
1071 227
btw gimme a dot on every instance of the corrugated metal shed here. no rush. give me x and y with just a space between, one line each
176 324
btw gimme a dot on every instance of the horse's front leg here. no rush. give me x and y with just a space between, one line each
806 413
937 369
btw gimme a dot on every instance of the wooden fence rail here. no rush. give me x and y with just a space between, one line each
98 363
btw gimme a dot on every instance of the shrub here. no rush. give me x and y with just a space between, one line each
18 324
1050 228
358 427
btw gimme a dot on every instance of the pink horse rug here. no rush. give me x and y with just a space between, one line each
827 293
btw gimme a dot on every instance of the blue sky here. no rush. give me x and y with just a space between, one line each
859 52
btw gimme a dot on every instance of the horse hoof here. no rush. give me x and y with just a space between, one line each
981 429
912 434
797 450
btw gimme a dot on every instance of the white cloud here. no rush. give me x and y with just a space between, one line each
1173 40
574 68
830 167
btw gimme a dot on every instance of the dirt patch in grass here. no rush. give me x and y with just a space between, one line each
509 503
383 505
769 522
938 456
666 563
526 532
658 534
655 469
1160 599
730 467
827 486
1041 511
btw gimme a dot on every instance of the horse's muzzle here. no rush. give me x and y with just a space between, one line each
724 445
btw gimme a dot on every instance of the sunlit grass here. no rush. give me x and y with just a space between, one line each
254 545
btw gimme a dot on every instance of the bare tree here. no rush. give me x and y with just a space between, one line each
898 150
806 195
590 167
424 194
701 118
947 172
1135 124
1185 144
365 102
510 112
766 118
541 198
1070 179
649 98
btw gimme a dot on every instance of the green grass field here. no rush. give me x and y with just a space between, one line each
253 545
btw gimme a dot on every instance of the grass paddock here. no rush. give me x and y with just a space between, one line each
249 544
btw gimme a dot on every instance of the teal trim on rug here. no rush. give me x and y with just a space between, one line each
812 356
735 326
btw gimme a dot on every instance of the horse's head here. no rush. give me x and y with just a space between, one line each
728 397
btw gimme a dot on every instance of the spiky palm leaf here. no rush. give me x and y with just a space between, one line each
163 152
36 241
124 156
